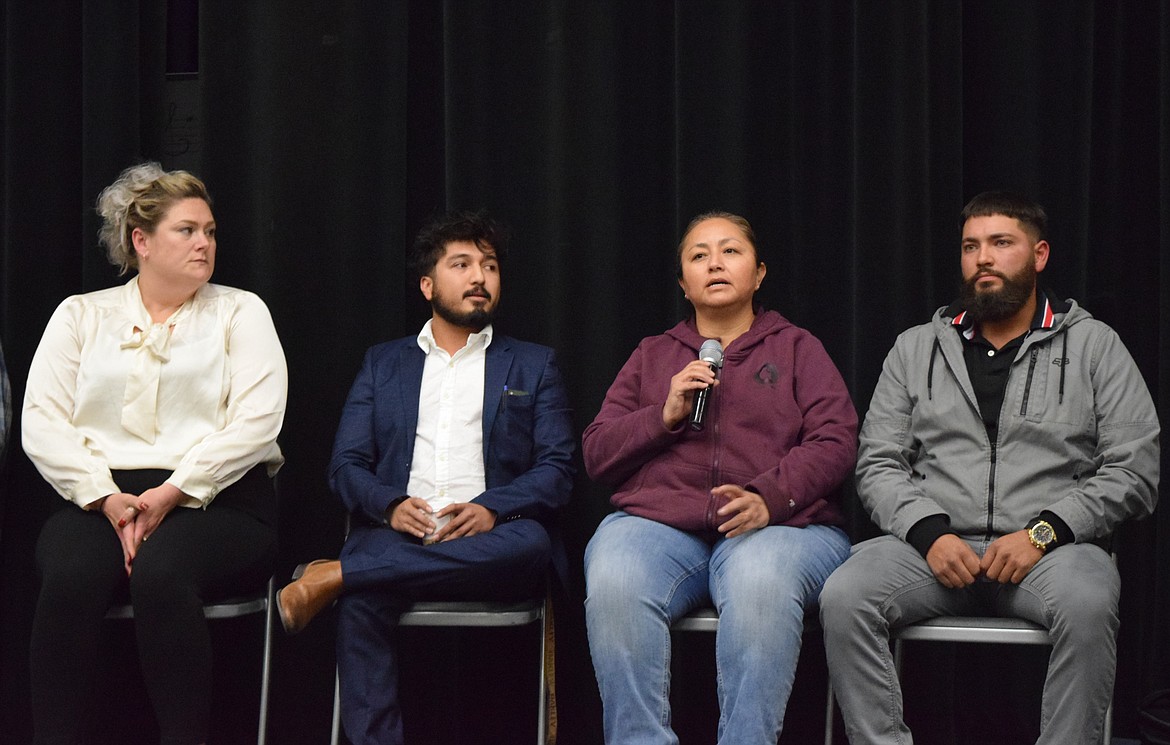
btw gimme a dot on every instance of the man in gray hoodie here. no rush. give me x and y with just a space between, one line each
1005 442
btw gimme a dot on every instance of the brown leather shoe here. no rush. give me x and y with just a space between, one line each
315 590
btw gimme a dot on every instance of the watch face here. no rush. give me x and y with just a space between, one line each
1043 534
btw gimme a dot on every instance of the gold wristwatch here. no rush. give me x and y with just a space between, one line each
1042 535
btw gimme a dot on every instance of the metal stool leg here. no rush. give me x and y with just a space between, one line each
266 672
830 705
1109 723
336 709
542 705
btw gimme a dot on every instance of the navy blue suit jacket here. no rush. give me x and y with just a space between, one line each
528 438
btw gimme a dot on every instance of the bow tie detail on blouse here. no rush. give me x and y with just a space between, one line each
140 403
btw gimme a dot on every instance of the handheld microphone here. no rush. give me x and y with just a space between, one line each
712 353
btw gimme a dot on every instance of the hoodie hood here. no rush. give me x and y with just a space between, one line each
765 324
1052 313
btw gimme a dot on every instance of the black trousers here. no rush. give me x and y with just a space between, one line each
194 556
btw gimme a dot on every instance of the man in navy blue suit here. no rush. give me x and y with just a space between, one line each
453 455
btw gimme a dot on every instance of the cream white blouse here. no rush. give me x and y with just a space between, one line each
201 395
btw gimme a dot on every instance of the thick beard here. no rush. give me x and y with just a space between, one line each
997 305
475 319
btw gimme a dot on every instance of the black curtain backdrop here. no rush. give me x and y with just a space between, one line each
329 131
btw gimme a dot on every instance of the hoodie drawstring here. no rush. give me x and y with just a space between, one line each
930 372
1063 364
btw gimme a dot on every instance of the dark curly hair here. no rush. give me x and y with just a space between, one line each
476 227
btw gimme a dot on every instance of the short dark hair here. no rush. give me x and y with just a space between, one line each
1029 213
476 227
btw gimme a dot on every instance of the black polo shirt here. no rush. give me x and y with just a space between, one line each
988 368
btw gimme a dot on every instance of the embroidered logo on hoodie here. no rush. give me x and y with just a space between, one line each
768 374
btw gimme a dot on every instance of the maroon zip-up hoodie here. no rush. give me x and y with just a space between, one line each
780 423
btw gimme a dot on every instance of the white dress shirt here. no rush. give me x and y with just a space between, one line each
201 395
447 466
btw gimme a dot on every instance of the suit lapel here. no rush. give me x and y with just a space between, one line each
497 363
410 387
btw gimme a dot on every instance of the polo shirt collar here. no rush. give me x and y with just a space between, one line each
1048 306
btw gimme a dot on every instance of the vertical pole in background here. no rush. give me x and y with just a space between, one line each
182 130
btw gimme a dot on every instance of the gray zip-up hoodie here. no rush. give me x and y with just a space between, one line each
1077 435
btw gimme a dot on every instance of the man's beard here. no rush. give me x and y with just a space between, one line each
997 305
475 319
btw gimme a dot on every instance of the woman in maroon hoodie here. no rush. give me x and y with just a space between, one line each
739 510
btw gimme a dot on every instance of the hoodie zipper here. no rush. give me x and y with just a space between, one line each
991 487
1032 357
712 508
994 455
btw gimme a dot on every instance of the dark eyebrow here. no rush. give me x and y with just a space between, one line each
487 256
707 245
993 236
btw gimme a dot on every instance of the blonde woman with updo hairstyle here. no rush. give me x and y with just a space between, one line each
153 409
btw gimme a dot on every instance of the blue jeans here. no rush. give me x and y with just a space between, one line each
641 576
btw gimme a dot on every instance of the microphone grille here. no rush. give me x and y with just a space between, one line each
712 352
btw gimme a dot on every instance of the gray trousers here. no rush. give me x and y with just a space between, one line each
885 584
